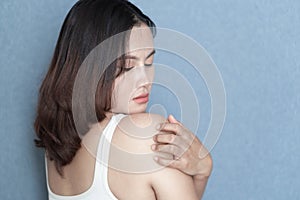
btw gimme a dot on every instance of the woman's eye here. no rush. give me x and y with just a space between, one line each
128 68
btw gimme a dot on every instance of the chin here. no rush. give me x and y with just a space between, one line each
132 109
137 109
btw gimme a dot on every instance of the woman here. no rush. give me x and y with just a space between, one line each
120 100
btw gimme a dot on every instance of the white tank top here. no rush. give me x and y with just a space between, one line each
99 188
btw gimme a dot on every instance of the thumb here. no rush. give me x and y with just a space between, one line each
172 119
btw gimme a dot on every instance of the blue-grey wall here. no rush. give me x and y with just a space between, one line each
255 45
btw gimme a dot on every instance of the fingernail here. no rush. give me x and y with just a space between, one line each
153 147
155 138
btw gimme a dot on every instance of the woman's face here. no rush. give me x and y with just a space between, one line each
132 88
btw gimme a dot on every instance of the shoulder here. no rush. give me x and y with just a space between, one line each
136 131
146 121
131 153
132 140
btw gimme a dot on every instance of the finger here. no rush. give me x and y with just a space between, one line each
171 139
165 138
167 162
171 127
169 149
179 130
172 119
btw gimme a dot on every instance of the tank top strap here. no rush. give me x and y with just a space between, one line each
105 140
108 133
101 167
99 187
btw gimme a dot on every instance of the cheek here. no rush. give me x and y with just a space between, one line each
117 89
121 92
151 74
120 86
126 83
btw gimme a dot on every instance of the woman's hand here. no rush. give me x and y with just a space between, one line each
189 155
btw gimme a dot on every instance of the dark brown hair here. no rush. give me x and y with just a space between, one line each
88 23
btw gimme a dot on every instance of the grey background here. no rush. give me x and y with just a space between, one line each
255 45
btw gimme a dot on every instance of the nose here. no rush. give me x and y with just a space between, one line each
145 76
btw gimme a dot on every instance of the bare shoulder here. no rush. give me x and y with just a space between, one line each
144 122
132 157
132 142
136 131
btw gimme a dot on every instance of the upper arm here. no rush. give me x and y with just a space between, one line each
172 184
133 137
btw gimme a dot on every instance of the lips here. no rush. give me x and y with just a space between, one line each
143 98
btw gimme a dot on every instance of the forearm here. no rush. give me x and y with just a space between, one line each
200 184
204 167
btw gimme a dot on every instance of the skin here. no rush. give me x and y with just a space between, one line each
184 178
156 182
174 139
138 78
191 156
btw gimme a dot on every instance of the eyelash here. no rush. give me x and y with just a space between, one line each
130 68
126 69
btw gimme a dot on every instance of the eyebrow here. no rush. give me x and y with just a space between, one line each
136 58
